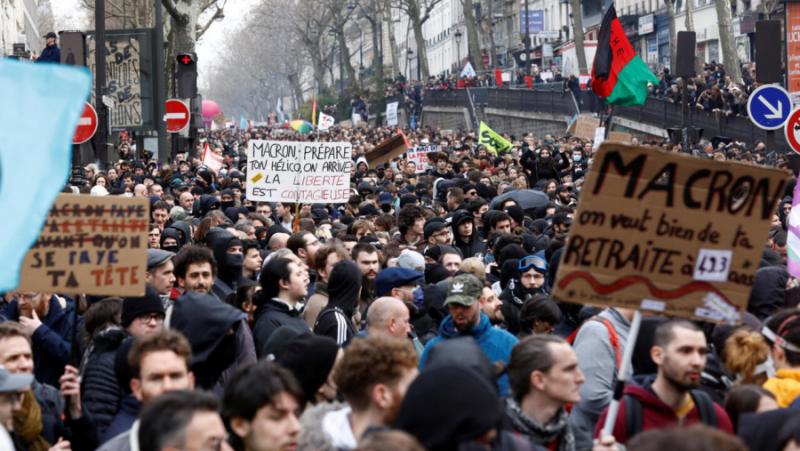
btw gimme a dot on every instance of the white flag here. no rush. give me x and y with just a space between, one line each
391 114
325 122
468 71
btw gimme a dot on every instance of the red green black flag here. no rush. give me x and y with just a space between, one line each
618 74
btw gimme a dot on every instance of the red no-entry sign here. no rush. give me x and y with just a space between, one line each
177 115
87 125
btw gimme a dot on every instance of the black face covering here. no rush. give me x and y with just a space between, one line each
174 248
227 204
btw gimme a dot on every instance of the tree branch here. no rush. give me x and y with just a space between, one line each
169 5
201 30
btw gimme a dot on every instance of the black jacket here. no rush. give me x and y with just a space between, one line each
344 287
271 315
475 245
101 394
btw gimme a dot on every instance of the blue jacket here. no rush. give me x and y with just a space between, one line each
122 422
495 343
52 341
50 54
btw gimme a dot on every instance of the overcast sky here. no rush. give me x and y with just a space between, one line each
70 16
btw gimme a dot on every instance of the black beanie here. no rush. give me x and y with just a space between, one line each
310 358
133 308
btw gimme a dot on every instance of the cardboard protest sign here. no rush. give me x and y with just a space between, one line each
623 137
667 232
584 127
388 149
294 171
92 245
419 155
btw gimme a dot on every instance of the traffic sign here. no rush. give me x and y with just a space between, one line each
177 115
87 125
792 130
769 106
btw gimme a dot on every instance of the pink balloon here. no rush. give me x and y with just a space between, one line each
210 109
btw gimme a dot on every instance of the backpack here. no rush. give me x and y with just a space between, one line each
633 411
612 337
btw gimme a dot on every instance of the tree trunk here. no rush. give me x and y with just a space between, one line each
727 43
673 36
377 56
345 60
689 15
473 43
184 25
422 53
577 31
490 31
387 18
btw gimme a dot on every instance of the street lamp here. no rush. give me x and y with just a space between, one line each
458 45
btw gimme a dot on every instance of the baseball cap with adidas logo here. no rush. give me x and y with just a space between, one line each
465 289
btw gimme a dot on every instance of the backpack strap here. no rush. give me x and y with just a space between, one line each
633 415
705 407
614 339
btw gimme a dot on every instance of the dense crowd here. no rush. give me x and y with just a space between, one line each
417 315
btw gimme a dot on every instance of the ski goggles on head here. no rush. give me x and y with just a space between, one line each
778 340
532 261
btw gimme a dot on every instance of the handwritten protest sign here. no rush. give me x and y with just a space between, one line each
668 232
92 245
584 127
419 155
123 63
291 171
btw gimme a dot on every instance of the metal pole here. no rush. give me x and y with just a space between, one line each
101 136
527 40
685 118
160 86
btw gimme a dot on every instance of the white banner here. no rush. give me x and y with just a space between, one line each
468 71
391 114
325 122
291 171
419 155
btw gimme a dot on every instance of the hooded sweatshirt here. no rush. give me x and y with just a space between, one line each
229 266
656 414
468 248
218 335
785 385
344 288
769 291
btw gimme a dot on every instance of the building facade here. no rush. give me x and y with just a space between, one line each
19 25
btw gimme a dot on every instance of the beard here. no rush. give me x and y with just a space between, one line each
678 379
391 412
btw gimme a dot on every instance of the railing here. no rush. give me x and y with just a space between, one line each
656 112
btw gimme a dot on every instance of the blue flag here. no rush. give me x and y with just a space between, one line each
242 123
43 103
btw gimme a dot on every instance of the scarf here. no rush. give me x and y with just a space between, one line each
28 423
542 434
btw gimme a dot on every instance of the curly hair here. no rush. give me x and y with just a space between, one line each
369 362
744 350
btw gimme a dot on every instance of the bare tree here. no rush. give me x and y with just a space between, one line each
673 37
689 15
125 13
726 41
45 21
418 12
577 26
473 40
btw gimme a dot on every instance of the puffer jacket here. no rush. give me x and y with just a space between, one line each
101 394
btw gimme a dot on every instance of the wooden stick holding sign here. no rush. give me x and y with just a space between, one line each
619 385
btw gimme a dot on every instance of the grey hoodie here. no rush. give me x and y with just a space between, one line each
597 361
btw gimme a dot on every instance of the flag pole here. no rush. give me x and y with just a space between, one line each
619 386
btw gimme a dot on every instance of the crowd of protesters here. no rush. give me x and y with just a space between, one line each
417 315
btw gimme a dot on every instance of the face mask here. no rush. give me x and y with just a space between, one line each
419 297
173 249
234 261
577 157
227 204
768 367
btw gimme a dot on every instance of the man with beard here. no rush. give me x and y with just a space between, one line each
545 377
467 319
679 350
532 274
373 378
195 269
491 306
366 257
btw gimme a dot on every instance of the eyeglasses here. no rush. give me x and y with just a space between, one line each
150 317
532 261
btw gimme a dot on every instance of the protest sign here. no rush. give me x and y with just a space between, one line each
211 159
293 171
124 68
419 155
622 137
325 121
584 127
92 245
667 232
387 150
391 114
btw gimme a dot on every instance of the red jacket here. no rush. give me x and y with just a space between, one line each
656 414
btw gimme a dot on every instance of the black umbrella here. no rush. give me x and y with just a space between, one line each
527 199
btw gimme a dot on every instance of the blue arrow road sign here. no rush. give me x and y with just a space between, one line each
769 107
